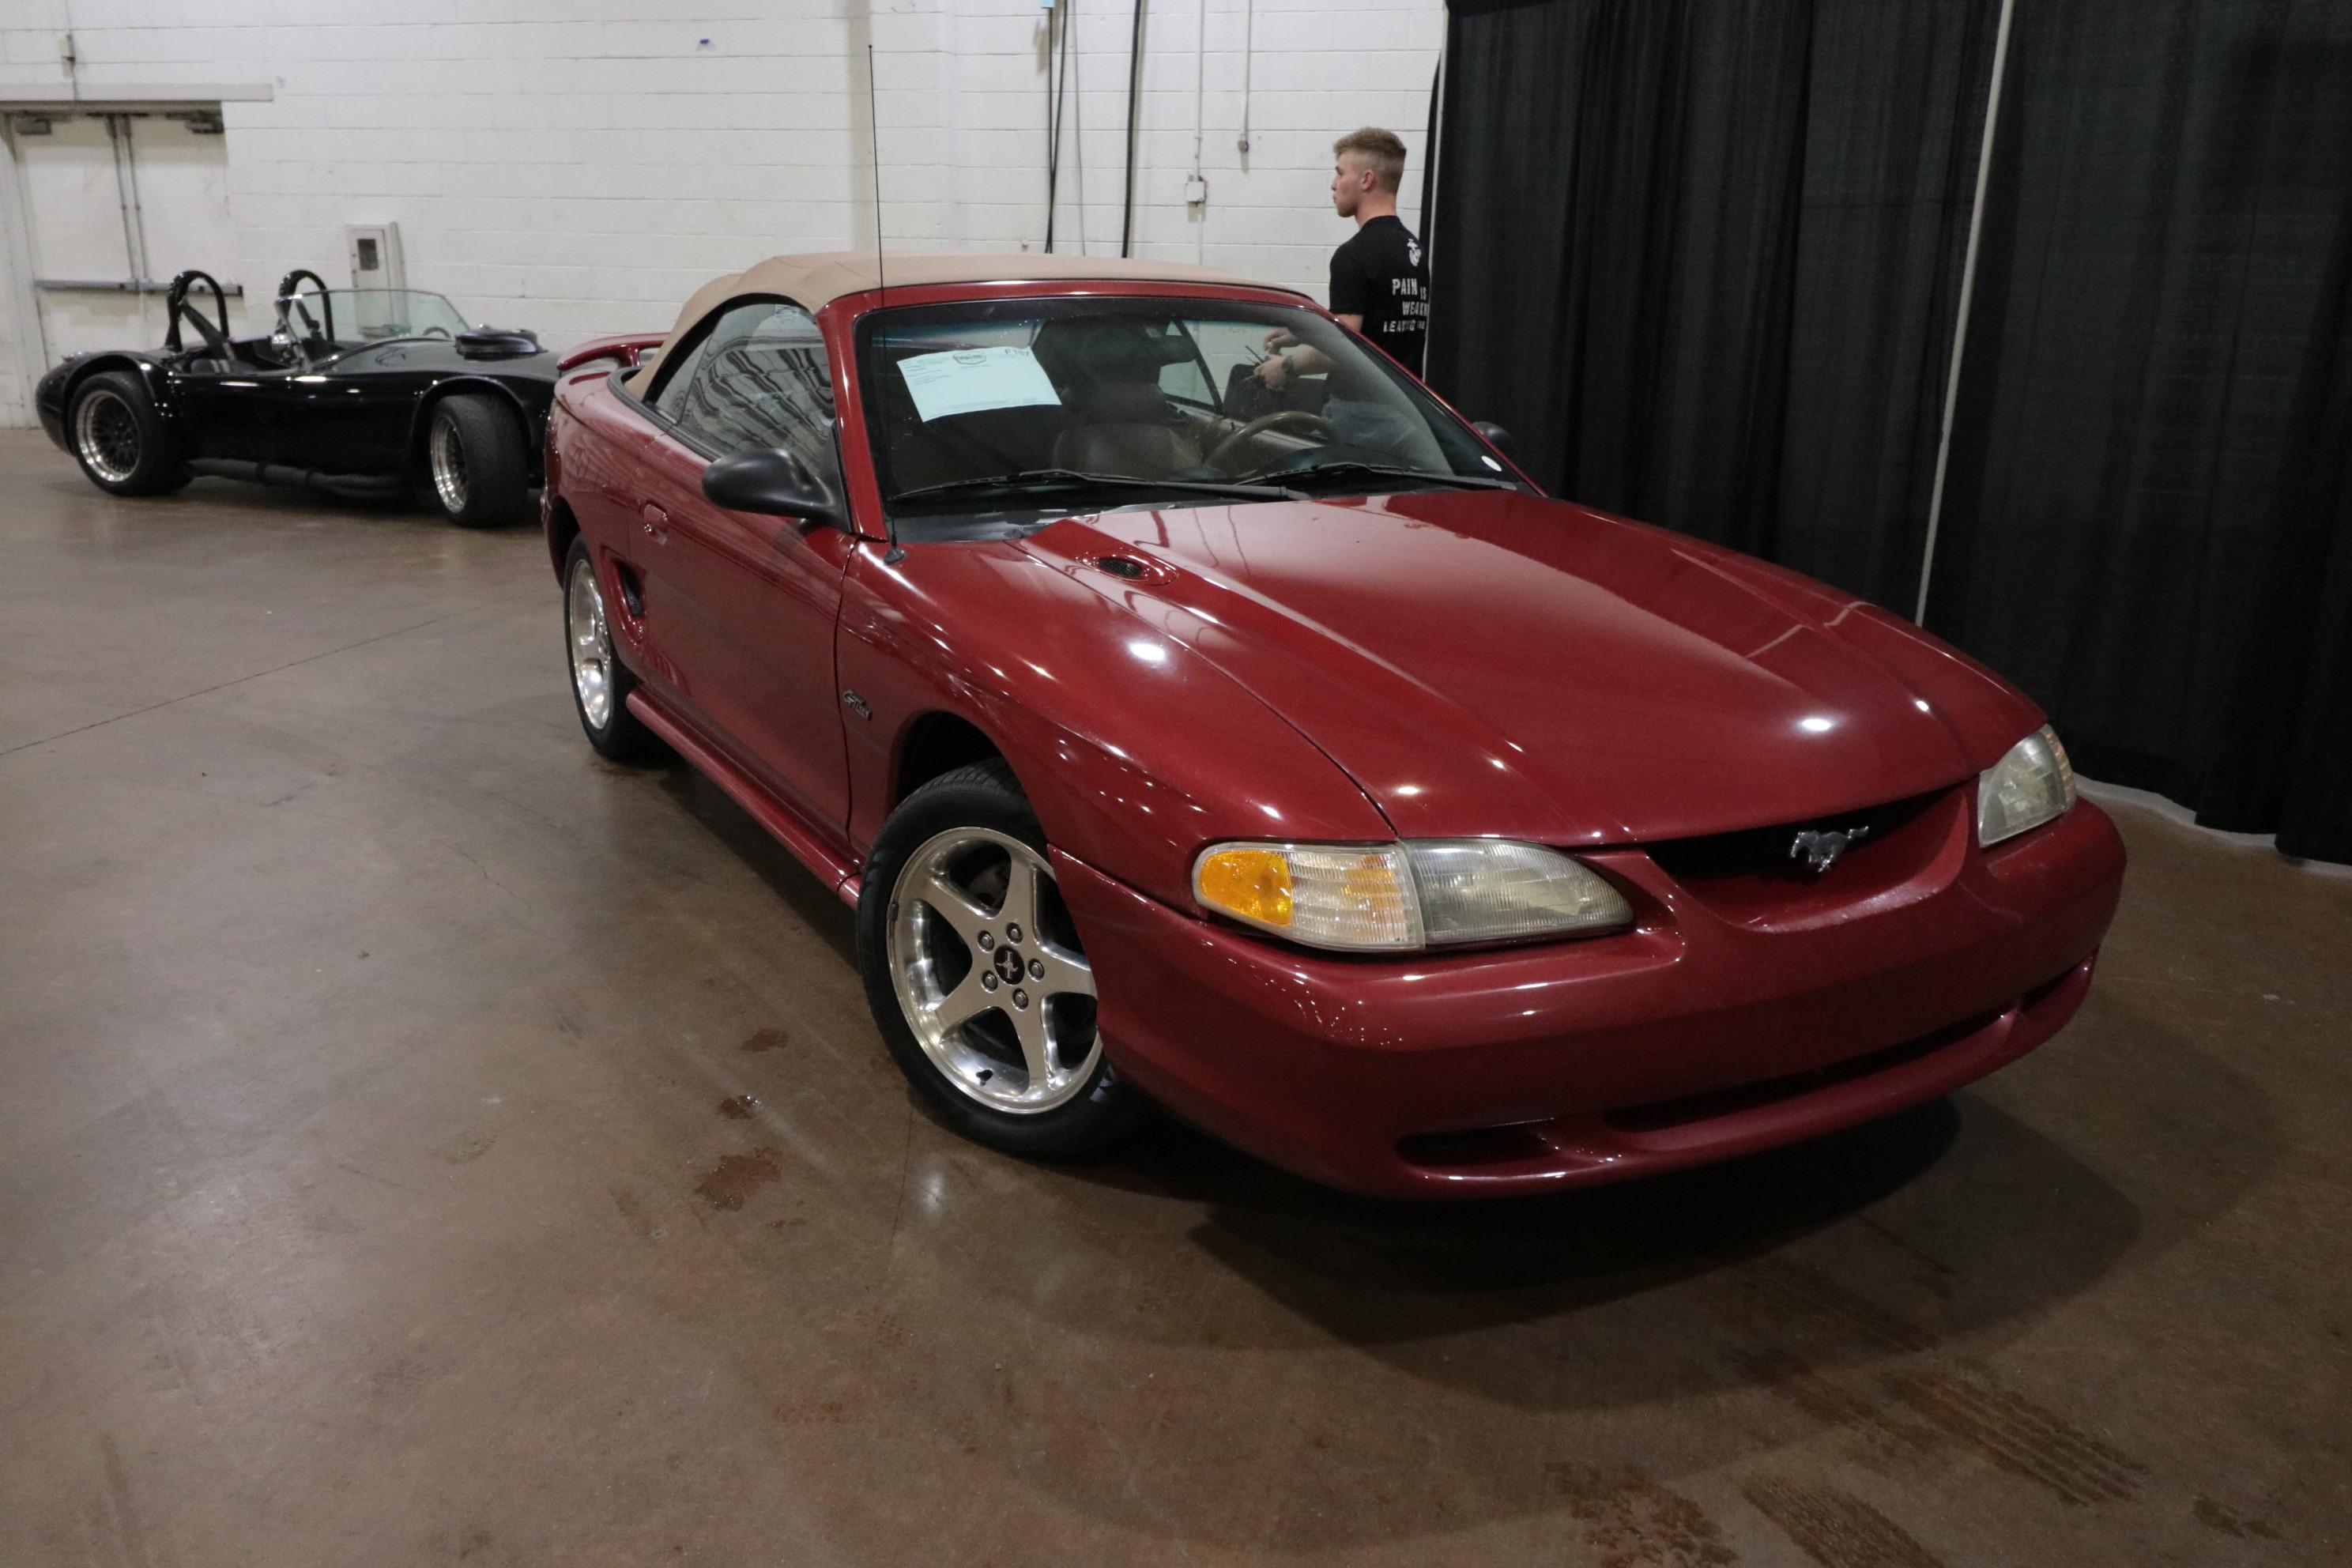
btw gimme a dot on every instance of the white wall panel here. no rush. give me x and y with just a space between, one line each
577 165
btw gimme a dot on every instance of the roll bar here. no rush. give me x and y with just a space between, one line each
176 308
288 284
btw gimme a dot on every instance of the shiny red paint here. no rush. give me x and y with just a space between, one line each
1575 1061
625 350
1426 664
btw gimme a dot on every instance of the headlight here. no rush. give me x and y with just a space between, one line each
2025 789
1399 897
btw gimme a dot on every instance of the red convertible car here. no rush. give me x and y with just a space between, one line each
1289 759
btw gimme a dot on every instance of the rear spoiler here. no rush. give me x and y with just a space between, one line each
628 350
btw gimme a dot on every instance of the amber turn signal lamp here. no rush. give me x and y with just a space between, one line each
1254 884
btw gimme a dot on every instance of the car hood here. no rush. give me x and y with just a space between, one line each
1496 663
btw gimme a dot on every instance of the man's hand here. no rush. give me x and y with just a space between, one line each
1280 338
1271 371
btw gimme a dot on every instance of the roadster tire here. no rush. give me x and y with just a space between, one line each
600 684
120 439
975 975
474 461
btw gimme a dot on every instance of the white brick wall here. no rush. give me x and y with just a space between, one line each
573 166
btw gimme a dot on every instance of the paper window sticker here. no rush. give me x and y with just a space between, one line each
969 381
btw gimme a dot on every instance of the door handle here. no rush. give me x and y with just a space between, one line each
656 523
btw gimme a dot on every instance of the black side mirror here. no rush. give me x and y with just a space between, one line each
771 480
1496 437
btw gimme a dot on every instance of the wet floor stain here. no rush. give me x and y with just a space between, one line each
738 1107
1836 1529
2230 1521
765 1040
2014 1433
1886 1440
1781 1297
1790 1313
464 1148
117 1524
1632 1522
737 1176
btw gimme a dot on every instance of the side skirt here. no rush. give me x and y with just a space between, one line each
783 824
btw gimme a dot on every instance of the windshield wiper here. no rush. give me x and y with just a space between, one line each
1355 470
1021 481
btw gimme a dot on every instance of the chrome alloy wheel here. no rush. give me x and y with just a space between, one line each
106 434
988 971
447 453
592 645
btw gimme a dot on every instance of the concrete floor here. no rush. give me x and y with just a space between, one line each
422 1144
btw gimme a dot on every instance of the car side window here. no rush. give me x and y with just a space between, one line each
758 377
672 378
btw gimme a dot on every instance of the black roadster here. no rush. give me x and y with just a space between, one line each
359 392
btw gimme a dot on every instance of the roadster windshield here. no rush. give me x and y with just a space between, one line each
371 315
967 402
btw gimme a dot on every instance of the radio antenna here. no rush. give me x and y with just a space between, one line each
874 132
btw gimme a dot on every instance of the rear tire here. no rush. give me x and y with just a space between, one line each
476 462
121 440
600 685
960 916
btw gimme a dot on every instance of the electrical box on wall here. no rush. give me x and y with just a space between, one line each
374 250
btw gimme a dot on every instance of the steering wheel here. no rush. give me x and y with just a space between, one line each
436 331
1297 419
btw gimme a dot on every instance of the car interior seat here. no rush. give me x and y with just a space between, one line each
1123 422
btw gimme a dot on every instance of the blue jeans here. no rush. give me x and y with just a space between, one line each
1375 425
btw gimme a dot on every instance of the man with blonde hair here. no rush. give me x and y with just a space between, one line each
1379 286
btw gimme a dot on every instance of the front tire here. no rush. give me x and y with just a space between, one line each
976 976
119 439
600 685
475 458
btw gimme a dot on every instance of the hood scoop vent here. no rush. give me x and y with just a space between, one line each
1132 568
496 342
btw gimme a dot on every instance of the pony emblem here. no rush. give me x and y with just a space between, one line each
1819 848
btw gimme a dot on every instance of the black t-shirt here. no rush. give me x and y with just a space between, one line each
1379 275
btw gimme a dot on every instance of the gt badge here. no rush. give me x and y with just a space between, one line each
1819 848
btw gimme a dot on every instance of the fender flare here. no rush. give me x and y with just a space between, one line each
149 372
533 427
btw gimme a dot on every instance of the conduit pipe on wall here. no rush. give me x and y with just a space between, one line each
1134 120
1057 89
134 220
1249 57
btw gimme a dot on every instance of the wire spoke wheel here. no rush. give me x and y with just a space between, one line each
447 453
988 973
106 434
592 645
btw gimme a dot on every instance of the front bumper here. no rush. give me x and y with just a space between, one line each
1714 1028
49 406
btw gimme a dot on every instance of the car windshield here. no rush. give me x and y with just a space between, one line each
372 315
1028 404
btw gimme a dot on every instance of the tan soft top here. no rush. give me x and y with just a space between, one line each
814 282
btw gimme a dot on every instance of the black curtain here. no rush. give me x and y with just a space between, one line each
1702 259
2148 523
